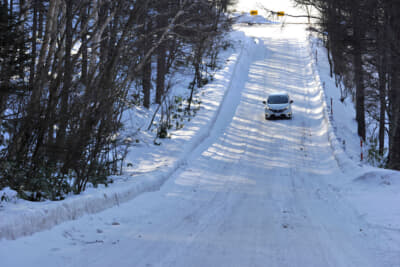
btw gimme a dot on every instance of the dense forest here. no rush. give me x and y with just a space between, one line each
66 72
362 38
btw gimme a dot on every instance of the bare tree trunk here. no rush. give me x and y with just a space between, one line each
21 38
382 72
49 33
394 126
41 18
84 67
11 7
358 70
146 84
198 56
161 72
394 92
382 111
63 115
161 62
146 72
34 37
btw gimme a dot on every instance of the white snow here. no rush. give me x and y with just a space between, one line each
150 165
252 19
231 189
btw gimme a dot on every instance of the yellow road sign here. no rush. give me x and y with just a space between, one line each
253 12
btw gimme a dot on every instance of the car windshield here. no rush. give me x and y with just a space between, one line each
278 99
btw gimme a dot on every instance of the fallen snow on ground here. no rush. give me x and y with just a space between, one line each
372 192
149 165
231 188
340 107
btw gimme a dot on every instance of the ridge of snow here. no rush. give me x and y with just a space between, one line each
344 162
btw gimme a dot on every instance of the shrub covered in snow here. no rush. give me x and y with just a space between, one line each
8 195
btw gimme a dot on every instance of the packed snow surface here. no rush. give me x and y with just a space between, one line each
230 188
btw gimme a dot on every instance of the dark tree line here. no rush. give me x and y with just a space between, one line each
362 37
66 68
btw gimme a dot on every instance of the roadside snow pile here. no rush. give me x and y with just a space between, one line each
376 193
372 191
8 195
21 218
341 139
342 111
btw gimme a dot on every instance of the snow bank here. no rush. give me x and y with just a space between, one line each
372 192
25 218
376 194
8 195
341 125
346 164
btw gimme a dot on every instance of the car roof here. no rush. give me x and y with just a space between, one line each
279 93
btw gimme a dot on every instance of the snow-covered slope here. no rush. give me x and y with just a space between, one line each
231 189
152 165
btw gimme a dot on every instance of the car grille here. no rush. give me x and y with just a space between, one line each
277 110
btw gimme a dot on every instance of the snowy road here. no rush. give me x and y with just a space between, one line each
257 193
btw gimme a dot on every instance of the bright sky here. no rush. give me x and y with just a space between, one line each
286 6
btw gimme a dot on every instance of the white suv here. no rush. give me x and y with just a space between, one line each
278 105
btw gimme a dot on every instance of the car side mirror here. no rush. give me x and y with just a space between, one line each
291 101
264 102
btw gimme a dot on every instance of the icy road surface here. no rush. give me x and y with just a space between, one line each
256 193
